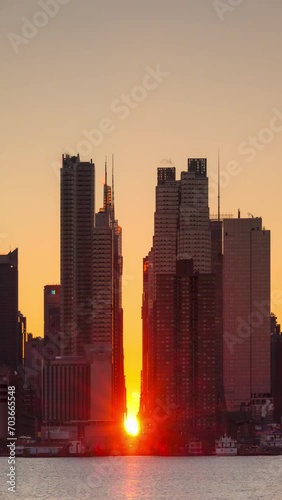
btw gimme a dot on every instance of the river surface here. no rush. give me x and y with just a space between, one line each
140 478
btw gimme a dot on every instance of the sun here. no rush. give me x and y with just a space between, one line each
132 426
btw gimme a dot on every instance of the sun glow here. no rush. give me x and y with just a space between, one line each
132 426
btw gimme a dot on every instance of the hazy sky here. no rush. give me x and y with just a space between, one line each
59 81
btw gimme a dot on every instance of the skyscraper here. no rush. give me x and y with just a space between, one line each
166 221
11 341
77 225
194 236
246 311
217 271
107 293
178 310
91 278
161 261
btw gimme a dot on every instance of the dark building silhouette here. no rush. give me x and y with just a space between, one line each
107 293
25 423
217 270
11 341
77 397
77 225
276 368
34 360
181 335
66 390
90 304
246 312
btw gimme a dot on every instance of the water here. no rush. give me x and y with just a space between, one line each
140 478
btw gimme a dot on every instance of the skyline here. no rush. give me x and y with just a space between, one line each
58 86
134 405
194 316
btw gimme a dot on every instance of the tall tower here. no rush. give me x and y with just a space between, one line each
178 309
217 270
159 266
166 221
11 341
107 294
194 236
77 225
246 306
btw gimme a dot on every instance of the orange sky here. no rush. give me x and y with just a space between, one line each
224 83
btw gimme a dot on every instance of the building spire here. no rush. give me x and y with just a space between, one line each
218 180
106 186
106 171
113 180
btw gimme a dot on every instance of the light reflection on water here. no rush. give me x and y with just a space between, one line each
141 478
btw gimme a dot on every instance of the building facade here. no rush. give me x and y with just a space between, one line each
91 282
276 369
217 271
179 310
79 388
77 226
107 294
66 391
246 312
11 340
